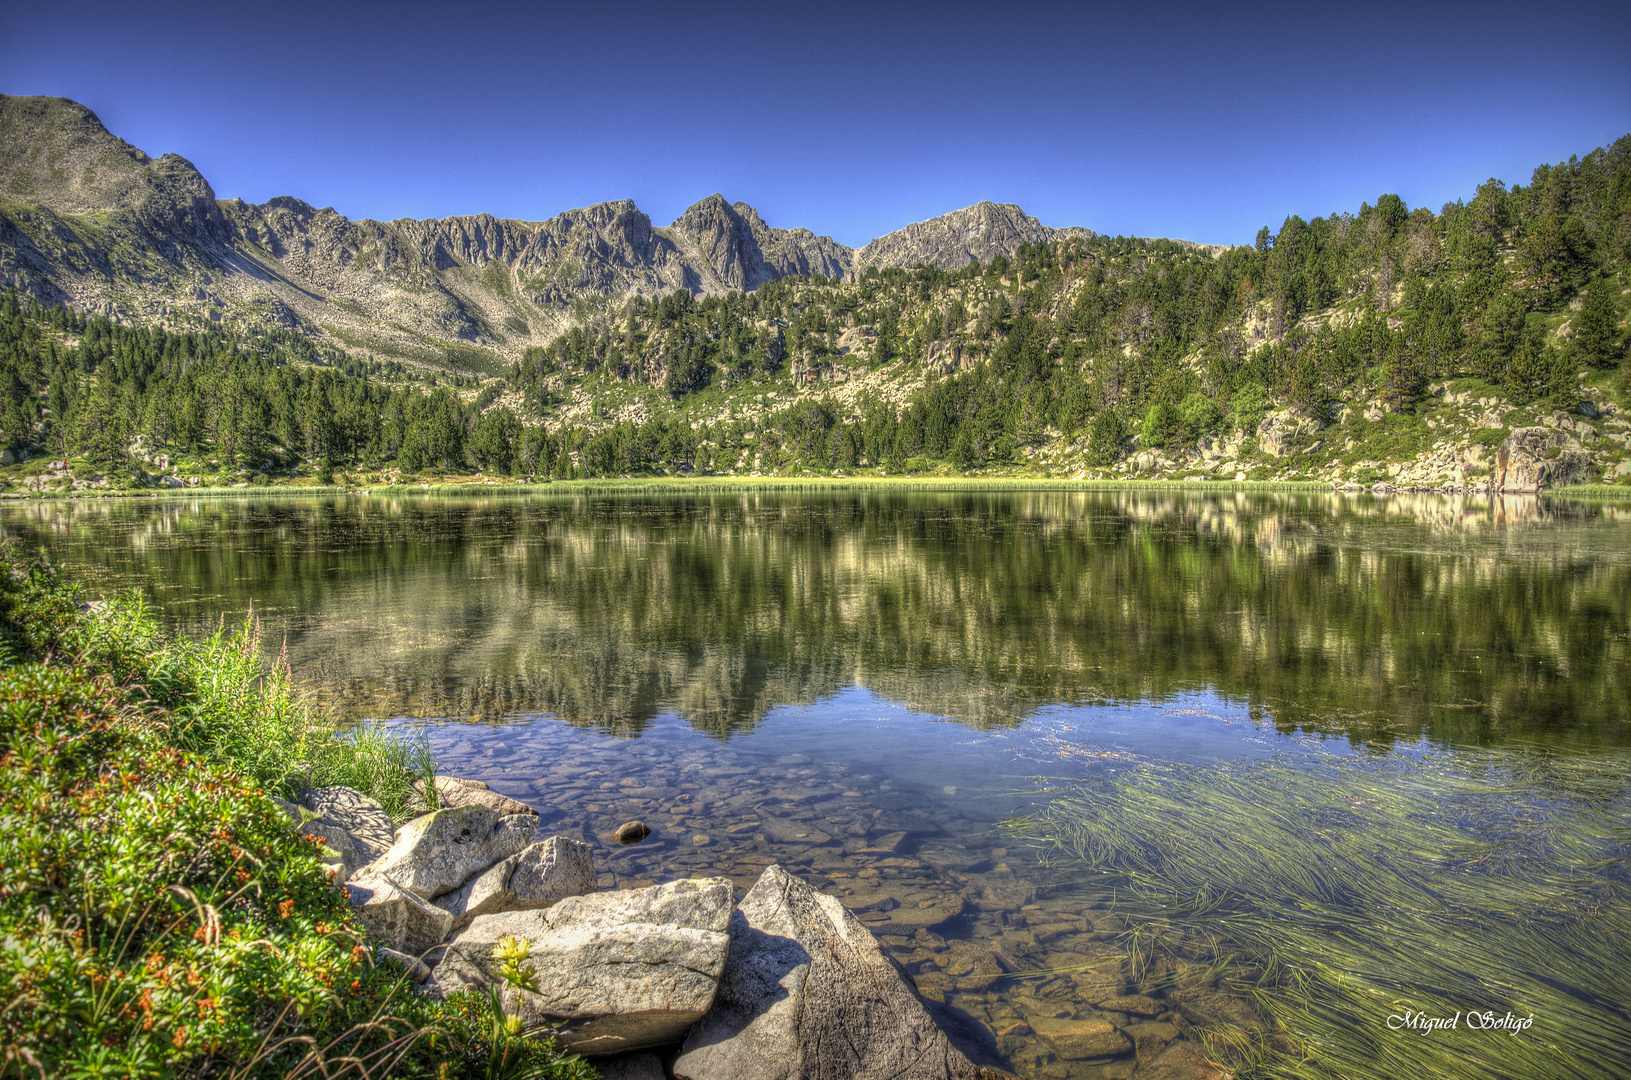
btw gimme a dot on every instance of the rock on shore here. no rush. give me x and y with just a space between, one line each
625 970
808 993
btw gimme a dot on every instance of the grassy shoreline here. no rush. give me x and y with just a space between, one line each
691 484
158 916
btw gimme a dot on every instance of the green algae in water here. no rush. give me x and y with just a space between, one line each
1366 894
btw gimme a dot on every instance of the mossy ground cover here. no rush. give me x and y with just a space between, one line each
158 917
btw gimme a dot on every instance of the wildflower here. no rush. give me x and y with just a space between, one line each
512 952
180 1038
285 908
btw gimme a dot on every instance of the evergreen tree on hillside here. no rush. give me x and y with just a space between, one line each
1597 339
1538 370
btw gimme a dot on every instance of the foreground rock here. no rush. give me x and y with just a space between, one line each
539 877
451 791
439 852
625 970
807 993
396 917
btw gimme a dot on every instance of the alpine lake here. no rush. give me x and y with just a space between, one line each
1125 780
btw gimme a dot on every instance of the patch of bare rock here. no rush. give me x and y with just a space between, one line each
675 980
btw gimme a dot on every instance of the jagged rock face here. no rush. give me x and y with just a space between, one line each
808 994
56 153
1535 458
87 218
982 231
742 252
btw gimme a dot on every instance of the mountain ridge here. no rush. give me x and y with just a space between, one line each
87 218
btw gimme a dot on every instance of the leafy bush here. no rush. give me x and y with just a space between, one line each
158 916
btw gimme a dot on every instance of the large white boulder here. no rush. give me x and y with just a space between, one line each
807 994
440 851
620 971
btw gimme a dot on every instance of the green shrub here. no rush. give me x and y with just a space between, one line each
1247 408
158 916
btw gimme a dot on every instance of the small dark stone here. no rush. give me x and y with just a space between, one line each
631 832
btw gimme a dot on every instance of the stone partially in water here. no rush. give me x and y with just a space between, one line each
631 832
624 970
808 993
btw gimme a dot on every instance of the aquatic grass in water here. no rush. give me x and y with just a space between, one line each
1376 895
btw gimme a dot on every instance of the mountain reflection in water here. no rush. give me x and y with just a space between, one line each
1463 619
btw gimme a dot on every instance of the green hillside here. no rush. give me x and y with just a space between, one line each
1389 344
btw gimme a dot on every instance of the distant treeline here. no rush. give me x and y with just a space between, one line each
1096 338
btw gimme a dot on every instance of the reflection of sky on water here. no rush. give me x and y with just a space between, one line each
993 774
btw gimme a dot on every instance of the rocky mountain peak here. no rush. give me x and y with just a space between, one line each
948 242
56 153
741 252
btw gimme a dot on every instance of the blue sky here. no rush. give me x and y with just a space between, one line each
1202 121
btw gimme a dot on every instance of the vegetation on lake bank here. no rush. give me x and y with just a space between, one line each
1387 344
158 916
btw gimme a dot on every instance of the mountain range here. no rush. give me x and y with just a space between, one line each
88 219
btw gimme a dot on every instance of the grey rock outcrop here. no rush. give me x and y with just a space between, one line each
734 247
543 874
451 791
440 851
58 155
982 231
623 970
1537 457
363 818
395 917
808 993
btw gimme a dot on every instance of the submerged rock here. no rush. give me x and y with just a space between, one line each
808 993
631 832
624 970
1075 1040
